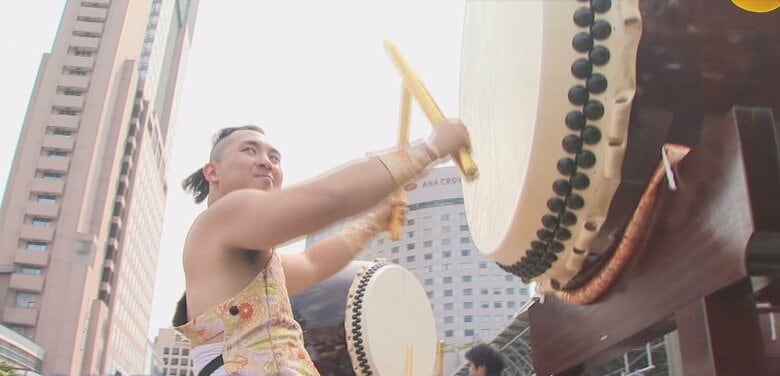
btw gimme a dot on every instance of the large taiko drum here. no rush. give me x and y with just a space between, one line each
568 102
362 320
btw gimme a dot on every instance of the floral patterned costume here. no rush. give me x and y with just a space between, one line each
260 335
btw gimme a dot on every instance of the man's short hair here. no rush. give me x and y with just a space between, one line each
484 355
196 184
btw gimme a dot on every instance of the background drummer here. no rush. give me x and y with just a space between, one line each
230 245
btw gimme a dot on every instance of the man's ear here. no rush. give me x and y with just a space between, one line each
210 172
482 370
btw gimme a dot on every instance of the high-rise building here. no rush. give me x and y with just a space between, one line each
471 297
20 353
81 219
174 351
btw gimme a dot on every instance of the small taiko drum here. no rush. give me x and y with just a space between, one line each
567 103
366 320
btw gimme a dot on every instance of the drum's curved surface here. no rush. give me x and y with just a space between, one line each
546 90
520 72
359 321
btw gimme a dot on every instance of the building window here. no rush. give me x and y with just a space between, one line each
56 153
468 332
464 240
62 132
446 254
510 291
483 265
46 198
394 250
427 231
509 278
428 281
448 333
466 278
428 256
496 291
445 229
465 265
82 53
468 305
465 252
35 246
394 261
445 217
67 112
427 218
72 93
447 292
483 291
448 306
484 318
41 222
510 304
30 271
24 300
446 241
464 227
73 72
497 305
51 176
409 222
468 292
409 258
448 320
167 351
410 234
447 279
462 215
410 246
468 318
175 361
428 244
429 294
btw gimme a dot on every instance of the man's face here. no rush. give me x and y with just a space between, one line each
245 159
477 371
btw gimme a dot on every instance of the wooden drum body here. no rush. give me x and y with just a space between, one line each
568 103
362 320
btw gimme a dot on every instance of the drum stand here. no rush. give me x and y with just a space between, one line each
709 255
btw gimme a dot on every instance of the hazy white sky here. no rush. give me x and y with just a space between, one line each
313 74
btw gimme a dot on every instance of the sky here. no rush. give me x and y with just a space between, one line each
313 74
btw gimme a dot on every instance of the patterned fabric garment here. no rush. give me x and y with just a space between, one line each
261 337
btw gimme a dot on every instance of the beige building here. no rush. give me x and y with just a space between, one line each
174 351
81 218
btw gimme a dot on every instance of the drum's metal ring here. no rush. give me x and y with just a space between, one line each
542 253
355 322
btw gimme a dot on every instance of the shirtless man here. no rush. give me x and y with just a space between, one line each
237 311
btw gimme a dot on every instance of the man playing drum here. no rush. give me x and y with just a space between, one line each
236 310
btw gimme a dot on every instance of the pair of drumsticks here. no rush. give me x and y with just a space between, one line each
412 86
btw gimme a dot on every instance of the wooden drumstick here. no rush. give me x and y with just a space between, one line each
413 84
439 359
409 359
398 217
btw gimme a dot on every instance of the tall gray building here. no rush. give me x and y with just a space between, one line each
471 297
82 214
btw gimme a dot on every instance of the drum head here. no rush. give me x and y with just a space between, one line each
548 121
388 312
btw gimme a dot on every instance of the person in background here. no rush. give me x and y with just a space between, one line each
484 360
